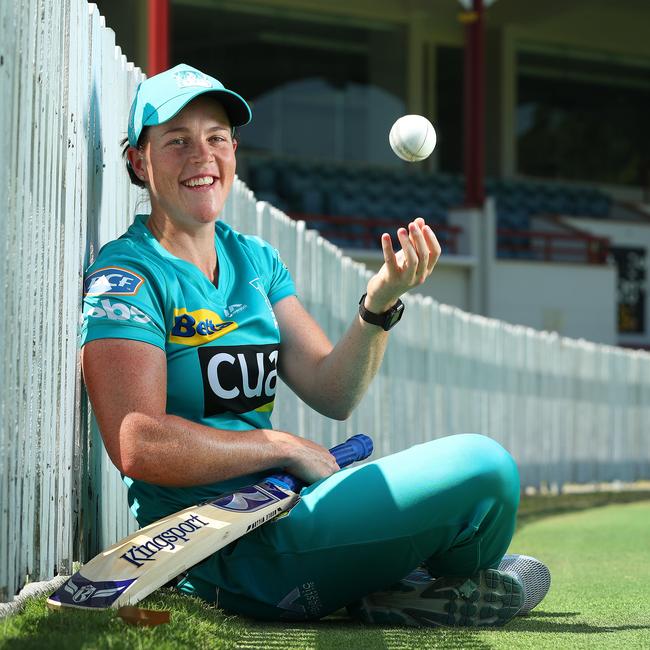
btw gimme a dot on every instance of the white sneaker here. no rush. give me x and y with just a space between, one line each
533 575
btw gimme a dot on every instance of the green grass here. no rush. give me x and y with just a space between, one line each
597 546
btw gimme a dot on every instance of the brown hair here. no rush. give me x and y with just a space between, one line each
125 147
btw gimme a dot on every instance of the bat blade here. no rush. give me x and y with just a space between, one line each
130 570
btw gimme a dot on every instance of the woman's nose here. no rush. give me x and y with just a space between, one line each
202 151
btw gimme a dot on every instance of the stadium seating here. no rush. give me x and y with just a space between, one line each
375 199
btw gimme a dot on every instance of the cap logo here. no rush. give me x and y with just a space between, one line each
187 78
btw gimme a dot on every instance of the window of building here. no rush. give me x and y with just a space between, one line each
583 119
449 109
318 89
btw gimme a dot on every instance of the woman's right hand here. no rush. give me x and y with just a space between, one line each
306 460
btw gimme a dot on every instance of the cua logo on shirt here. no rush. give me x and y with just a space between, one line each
198 327
238 379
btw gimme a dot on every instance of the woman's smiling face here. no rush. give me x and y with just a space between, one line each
188 164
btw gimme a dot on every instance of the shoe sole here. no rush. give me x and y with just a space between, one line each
489 598
533 575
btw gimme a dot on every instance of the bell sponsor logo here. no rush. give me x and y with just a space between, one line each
198 327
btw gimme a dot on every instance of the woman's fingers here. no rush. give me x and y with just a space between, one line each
434 247
389 254
408 249
421 249
415 261
310 461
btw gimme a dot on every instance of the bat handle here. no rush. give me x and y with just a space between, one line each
356 448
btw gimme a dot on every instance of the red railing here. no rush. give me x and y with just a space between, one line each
367 231
553 246
363 232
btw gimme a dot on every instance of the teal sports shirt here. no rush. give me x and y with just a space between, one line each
221 342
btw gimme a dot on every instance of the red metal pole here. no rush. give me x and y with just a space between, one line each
474 105
158 33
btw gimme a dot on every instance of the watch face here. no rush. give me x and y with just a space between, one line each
394 317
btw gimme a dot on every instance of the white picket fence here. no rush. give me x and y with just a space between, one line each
569 411
65 91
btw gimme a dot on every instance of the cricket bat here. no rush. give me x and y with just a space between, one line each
130 570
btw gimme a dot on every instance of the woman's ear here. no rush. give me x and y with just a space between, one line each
135 157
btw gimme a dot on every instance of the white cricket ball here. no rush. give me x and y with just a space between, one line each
412 138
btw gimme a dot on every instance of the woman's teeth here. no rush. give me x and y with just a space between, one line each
203 180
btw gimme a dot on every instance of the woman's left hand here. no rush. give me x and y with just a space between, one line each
403 270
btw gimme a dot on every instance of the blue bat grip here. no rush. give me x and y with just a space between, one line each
353 449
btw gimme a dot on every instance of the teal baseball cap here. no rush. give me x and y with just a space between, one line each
162 96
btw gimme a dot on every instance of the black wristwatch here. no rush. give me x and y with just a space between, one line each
386 320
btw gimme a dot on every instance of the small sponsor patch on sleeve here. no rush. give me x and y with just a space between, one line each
112 280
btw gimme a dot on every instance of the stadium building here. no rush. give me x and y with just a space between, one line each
562 241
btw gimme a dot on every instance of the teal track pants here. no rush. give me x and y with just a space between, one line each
450 503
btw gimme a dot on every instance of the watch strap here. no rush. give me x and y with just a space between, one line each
385 320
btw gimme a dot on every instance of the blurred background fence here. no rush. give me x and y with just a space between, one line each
568 410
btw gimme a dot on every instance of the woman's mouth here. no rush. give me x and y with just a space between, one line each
199 182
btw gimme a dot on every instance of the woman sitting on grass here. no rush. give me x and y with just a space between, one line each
187 325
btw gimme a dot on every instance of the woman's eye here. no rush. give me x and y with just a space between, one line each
177 141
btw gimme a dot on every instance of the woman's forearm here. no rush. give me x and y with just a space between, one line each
172 451
333 380
343 376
